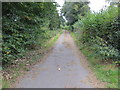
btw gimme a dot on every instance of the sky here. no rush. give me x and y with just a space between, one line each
95 5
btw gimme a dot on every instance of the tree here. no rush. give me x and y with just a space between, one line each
74 10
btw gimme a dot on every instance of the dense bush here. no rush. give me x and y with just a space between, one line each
23 24
101 32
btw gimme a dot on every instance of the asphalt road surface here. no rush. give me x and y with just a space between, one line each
60 69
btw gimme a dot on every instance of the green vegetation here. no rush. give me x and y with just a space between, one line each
26 26
105 72
97 35
29 29
100 32
74 11
24 64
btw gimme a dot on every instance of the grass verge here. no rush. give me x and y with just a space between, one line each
104 72
22 65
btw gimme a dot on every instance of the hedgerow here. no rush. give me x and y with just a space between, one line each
101 32
23 26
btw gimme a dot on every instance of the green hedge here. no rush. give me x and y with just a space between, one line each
23 24
101 32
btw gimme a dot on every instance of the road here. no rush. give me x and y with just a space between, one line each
62 68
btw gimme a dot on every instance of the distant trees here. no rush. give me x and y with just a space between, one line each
74 11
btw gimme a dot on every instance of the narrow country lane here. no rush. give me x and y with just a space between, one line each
62 68
60 44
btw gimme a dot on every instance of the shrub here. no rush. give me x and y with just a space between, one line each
101 32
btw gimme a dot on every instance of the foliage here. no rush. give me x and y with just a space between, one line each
23 24
74 11
101 32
